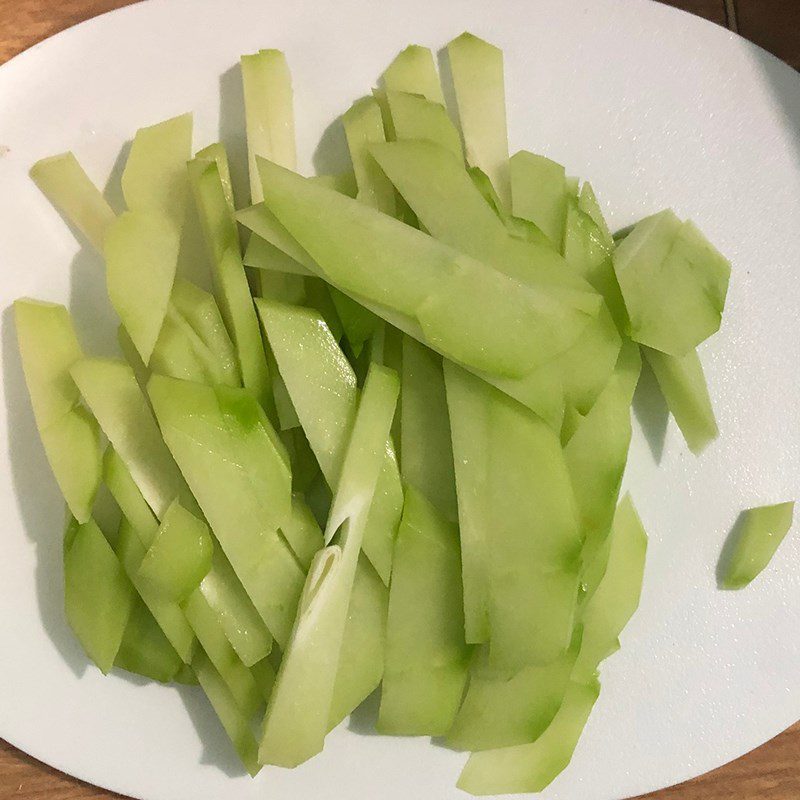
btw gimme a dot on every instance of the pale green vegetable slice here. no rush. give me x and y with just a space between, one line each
98 597
300 706
176 352
154 178
363 126
217 152
532 767
269 113
539 193
302 532
426 655
236 467
260 254
674 283
236 724
413 70
414 117
322 386
427 452
501 710
145 650
230 282
477 70
760 532
48 348
342 182
589 204
67 186
112 394
617 597
683 384
359 324
180 555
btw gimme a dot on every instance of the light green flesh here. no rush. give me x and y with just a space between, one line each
242 484
282 286
413 71
236 724
589 253
49 347
344 182
238 678
168 614
175 353
300 705
363 126
477 70
589 205
145 650
260 254
230 282
526 593
426 655
154 178
761 531
65 184
220 587
217 152
414 117
322 386
180 555
302 533
269 113
141 251
499 710
110 390
426 448
201 312
674 284
539 194
98 597
617 597
532 767
683 384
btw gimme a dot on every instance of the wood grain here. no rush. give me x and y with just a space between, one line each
769 773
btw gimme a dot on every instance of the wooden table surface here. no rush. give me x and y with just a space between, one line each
770 773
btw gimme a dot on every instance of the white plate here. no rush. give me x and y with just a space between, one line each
658 109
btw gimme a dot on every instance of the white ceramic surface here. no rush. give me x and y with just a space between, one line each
657 108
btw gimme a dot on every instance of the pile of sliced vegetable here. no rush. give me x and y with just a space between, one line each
387 448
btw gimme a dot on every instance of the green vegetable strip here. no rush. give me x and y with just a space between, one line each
49 347
414 71
141 249
532 767
343 182
230 281
269 113
426 655
63 180
300 705
589 205
683 384
180 555
98 597
617 597
477 70
427 451
363 126
236 724
260 254
414 117
164 609
220 588
112 394
144 649
322 386
238 471
217 152
469 421
760 532
501 710
154 178
539 194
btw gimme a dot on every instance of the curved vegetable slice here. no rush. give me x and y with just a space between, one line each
426 655
71 191
414 117
539 194
145 650
49 347
413 70
300 706
761 532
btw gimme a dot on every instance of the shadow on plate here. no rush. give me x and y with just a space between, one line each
729 547
651 411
